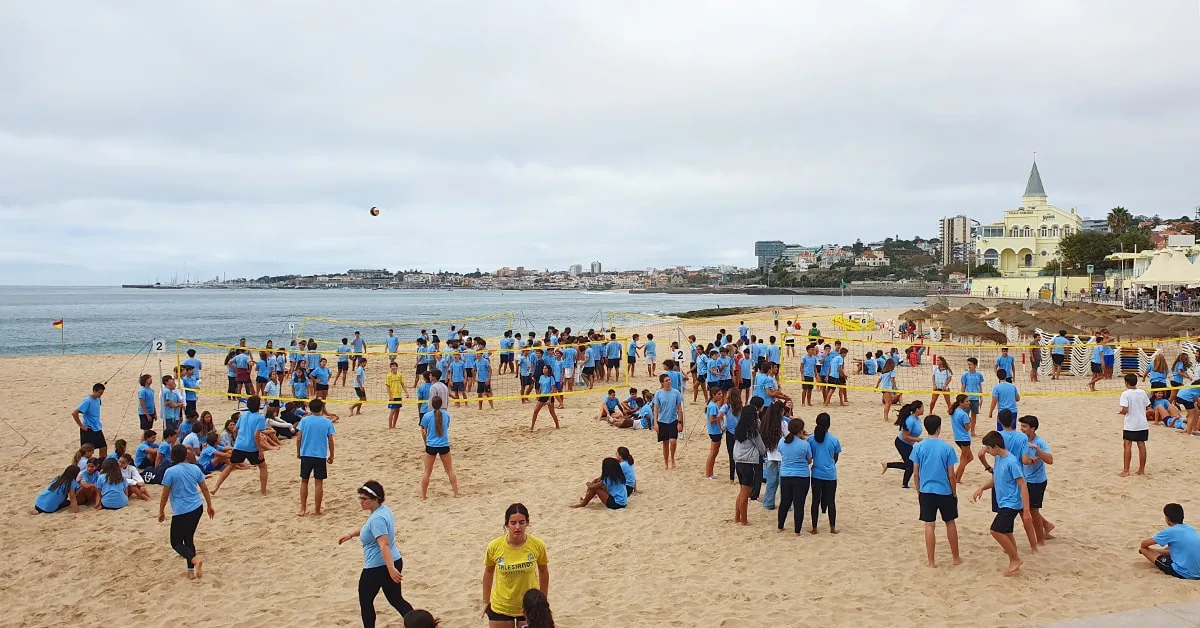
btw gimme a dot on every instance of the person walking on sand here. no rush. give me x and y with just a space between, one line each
545 397
382 563
182 485
826 449
514 564
315 449
1012 498
668 418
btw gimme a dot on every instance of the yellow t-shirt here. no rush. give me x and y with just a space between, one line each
516 572
395 385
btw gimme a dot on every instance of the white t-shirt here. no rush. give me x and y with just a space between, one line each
1136 401
774 454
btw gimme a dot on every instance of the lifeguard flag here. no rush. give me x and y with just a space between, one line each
58 324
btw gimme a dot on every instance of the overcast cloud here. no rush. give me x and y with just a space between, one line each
139 140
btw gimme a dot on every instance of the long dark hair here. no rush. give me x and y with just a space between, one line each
610 469
906 411
822 427
537 609
623 454
436 403
111 470
735 404
747 426
772 425
795 427
68 476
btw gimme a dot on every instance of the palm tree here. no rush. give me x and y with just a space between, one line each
1119 220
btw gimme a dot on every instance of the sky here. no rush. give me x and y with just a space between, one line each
142 141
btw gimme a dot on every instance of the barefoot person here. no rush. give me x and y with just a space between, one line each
1178 552
248 446
435 428
610 487
523 564
795 458
182 485
668 418
1012 498
87 417
545 397
1134 402
937 487
59 494
748 452
314 448
960 423
382 564
826 449
1035 458
715 415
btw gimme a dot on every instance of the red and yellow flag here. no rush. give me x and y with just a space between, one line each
58 324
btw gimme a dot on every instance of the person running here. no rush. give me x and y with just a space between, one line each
183 485
796 454
826 449
382 563
251 436
545 396
714 414
1035 458
1133 405
748 451
435 429
524 566
1179 546
941 384
668 418
360 386
887 385
909 422
933 462
960 424
483 376
1012 498
87 417
315 449
610 487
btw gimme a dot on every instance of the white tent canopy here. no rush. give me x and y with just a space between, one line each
1170 268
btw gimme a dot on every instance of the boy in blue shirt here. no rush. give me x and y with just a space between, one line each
1004 395
668 418
1035 457
1179 555
933 468
360 385
1006 363
1059 353
972 386
808 372
1012 499
343 361
314 448
146 411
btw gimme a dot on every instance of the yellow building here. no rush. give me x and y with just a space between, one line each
1028 237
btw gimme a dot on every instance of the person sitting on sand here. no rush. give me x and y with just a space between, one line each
87 479
60 493
1161 408
612 408
135 486
1178 552
277 428
111 485
1012 498
609 487
82 455
626 459
214 456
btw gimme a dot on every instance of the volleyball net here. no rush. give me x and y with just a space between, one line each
921 366
504 368
331 331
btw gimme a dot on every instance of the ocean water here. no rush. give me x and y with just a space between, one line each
118 320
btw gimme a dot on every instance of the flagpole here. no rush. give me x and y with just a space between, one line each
62 335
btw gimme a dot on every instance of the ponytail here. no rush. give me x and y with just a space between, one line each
438 423
905 411
822 427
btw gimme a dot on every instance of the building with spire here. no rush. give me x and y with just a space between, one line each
1027 239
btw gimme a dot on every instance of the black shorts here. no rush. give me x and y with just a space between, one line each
506 359
744 384
1157 385
840 381
312 466
1187 405
322 387
726 384
745 473
458 386
1037 492
963 443
343 367
933 503
189 406
808 382
544 399
588 371
1165 565
507 619
1136 436
362 394
437 451
395 405
702 379
631 360
614 363
1058 358
239 456
146 421
468 372
261 380
483 387
716 438
668 431
526 380
422 369
1003 523
94 437
1097 368
612 504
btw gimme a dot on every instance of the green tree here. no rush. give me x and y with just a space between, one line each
1119 220
1082 248
985 270
858 247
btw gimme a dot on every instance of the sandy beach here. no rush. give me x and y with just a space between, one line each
672 558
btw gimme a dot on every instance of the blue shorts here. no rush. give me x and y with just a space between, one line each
458 386
1109 360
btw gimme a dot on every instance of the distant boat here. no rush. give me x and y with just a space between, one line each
590 292
151 286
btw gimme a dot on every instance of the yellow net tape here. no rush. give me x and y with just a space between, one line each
336 328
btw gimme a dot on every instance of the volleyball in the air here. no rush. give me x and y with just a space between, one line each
374 211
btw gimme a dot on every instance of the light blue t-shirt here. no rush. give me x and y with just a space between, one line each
632 349
763 383
89 410
619 491
731 418
379 523
614 349
869 366
262 368
546 384
393 343
1004 474
458 373
913 426
712 415
1060 344
169 413
315 430
887 380
667 403
190 385
651 349
359 345
240 361
630 474
248 426
1035 473
1158 377
52 500
1188 394
1184 543
934 456
321 375
677 381
1006 396
139 454
146 396
483 369
960 422
206 456
1015 442
184 480
797 455
429 422
360 377
824 467
112 494
972 382
941 377
835 362
1005 363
